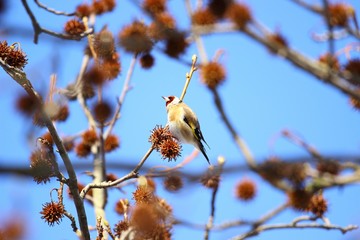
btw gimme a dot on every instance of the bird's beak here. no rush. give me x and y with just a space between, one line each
165 98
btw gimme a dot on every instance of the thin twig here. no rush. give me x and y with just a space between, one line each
330 29
54 11
209 225
125 90
132 174
189 76
264 228
238 140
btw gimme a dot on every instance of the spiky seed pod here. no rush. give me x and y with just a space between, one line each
353 66
104 44
120 227
26 104
95 75
203 17
82 149
111 68
15 57
62 114
147 61
212 74
245 190
239 14
43 166
154 7
151 185
338 14
211 179
173 183
170 149
38 119
163 209
318 205
143 194
163 26
83 10
111 143
4 49
102 112
143 218
52 213
89 137
74 27
175 44
219 7
13 228
134 38
158 135
299 199
103 6
330 61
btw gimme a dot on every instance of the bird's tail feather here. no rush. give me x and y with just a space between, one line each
202 149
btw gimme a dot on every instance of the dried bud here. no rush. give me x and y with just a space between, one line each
212 74
245 190
330 61
279 40
74 27
111 67
122 206
52 213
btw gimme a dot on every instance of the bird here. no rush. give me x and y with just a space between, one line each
183 124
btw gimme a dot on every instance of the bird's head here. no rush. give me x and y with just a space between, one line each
170 100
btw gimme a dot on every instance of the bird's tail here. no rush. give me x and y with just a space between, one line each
202 149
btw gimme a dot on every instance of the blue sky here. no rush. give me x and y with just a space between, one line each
262 95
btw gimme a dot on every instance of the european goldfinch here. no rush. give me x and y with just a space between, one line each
183 123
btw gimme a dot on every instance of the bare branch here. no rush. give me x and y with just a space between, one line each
54 11
20 77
